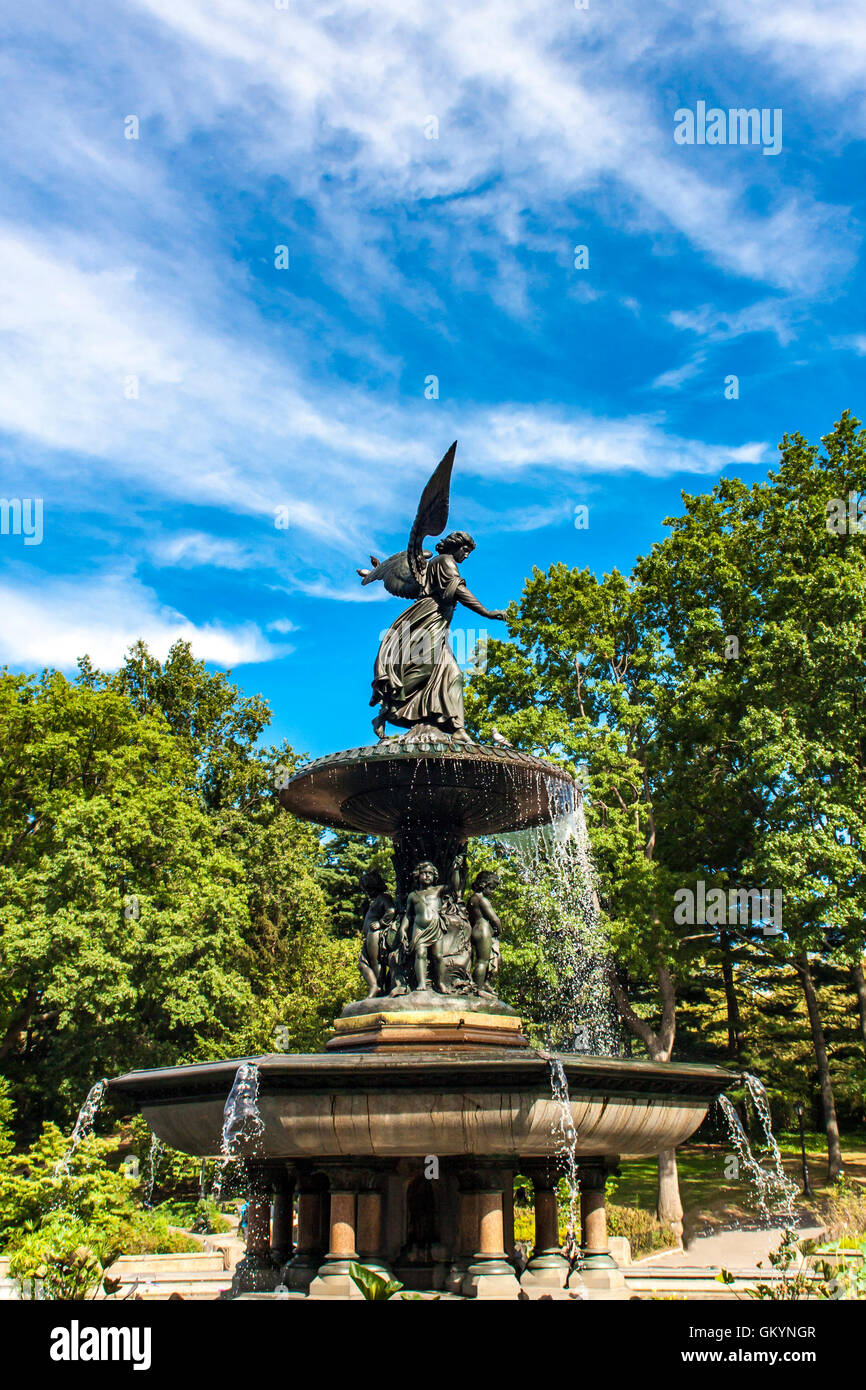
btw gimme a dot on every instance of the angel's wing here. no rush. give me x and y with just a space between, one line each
395 575
432 515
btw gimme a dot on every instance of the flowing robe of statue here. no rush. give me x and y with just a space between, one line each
416 677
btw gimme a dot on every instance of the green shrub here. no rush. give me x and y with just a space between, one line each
643 1232
49 1209
65 1257
34 1184
201 1216
844 1212
640 1228
524 1224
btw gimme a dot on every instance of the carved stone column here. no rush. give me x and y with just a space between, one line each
489 1275
467 1239
508 1215
256 1273
548 1267
282 1221
312 1199
371 1222
333 1279
598 1268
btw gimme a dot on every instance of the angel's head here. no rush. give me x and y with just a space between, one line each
456 543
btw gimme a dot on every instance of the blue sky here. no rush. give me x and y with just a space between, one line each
259 388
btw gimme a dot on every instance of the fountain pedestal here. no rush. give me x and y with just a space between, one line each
547 1269
441 1131
598 1268
489 1274
434 1020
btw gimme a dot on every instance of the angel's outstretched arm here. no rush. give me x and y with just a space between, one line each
468 599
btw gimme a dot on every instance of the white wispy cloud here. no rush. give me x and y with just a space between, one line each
852 342
540 109
131 336
189 549
775 316
674 378
515 438
819 43
218 423
54 621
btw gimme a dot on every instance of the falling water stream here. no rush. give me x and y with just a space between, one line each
202 1181
774 1191
243 1126
83 1125
565 1139
555 868
156 1149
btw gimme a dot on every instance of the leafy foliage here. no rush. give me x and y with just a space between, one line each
158 905
60 1260
374 1286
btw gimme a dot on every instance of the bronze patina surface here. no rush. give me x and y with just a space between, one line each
474 789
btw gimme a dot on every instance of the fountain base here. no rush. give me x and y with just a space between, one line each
407 1155
458 1029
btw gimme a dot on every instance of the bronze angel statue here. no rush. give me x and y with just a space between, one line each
416 681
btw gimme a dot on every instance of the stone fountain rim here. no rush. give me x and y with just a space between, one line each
486 1070
456 750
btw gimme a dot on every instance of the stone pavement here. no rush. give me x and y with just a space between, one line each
735 1249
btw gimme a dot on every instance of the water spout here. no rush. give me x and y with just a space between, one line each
565 1143
243 1126
564 1134
83 1125
156 1148
554 864
774 1190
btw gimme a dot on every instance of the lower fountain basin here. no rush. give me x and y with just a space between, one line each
492 1103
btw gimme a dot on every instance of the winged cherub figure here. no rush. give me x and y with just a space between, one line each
416 680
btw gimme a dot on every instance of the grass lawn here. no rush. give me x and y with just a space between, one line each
710 1198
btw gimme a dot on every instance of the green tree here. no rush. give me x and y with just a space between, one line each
346 856
157 904
774 729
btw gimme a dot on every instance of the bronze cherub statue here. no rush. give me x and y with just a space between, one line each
486 930
379 919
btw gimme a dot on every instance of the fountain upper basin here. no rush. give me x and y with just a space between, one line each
494 1102
477 789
